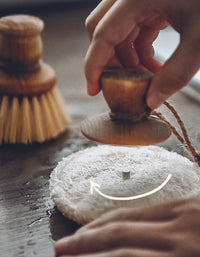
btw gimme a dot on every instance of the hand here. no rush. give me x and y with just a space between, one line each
168 230
122 33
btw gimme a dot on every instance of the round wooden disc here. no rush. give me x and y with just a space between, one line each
103 129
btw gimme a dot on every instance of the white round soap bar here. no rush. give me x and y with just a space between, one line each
149 167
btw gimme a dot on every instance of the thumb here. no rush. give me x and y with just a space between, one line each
175 73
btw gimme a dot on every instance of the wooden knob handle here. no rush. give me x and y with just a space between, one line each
20 42
125 91
21 70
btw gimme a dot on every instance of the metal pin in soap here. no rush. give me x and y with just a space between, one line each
126 175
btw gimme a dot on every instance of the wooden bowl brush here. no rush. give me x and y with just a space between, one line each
129 121
31 108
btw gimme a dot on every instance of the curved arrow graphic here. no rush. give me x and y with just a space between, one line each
95 186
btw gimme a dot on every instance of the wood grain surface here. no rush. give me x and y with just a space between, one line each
29 221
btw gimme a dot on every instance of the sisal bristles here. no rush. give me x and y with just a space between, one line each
26 126
38 133
56 97
32 119
57 115
13 121
4 112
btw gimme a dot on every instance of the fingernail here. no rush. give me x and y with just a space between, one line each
155 99
62 240
60 245
90 91
81 230
92 88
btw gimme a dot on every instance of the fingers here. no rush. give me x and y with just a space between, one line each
161 212
102 52
97 14
122 252
113 28
144 48
121 234
126 52
176 72
91 23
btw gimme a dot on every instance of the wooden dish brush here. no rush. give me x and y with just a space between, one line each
129 121
31 108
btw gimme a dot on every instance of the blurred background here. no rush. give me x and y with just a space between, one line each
33 6
40 2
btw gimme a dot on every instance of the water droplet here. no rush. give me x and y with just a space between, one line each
30 242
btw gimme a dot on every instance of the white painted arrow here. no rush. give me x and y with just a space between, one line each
95 186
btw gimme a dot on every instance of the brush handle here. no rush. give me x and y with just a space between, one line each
20 42
21 70
124 90
35 82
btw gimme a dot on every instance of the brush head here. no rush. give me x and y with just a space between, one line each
31 108
130 121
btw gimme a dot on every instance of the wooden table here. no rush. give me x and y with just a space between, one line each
29 221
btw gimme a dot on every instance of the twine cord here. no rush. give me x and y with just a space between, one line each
183 139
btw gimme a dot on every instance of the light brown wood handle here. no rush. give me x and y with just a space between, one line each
20 42
125 91
21 70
